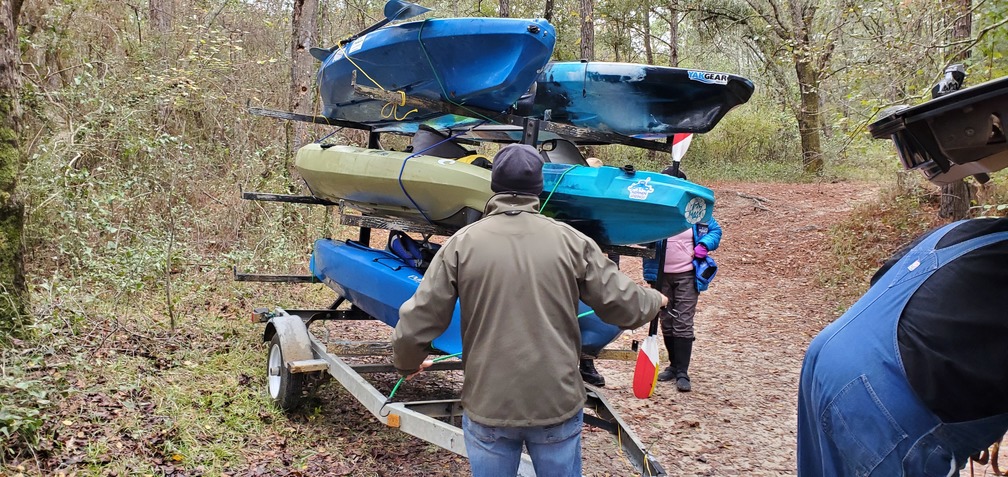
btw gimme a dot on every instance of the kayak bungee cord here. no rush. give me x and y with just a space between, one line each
403 379
438 360
543 205
402 102
444 93
411 156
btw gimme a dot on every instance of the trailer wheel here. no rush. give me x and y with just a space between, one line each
285 388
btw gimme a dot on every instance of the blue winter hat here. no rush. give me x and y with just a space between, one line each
517 168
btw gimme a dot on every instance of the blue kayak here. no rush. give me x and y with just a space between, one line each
379 282
635 99
483 62
617 207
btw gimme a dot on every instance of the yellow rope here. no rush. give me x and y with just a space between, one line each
386 111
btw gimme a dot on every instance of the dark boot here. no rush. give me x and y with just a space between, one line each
591 375
670 372
683 350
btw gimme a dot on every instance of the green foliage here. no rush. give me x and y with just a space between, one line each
28 398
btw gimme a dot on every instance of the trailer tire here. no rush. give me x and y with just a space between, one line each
286 389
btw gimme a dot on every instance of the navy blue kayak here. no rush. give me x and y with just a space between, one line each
379 282
483 62
635 99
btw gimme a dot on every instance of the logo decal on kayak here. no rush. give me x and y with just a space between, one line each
708 77
415 278
446 162
640 190
695 210
357 44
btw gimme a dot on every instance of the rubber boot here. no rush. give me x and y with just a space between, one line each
683 350
591 375
670 372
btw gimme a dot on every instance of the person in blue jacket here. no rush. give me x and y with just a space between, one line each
682 287
912 379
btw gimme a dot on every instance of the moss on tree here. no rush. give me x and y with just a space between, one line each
12 284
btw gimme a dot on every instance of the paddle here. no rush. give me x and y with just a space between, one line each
394 10
646 370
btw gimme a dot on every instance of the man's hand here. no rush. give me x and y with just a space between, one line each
424 365
664 301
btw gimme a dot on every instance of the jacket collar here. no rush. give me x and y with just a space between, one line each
505 202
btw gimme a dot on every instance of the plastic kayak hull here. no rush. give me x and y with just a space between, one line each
378 282
617 207
610 205
423 188
484 62
636 99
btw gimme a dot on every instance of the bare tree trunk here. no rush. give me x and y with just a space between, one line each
808 117
304 25
646 23
504 8
674 33
588 41
13 296
955 197
548 11
588 30
161 13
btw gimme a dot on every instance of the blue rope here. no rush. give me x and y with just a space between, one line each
417 153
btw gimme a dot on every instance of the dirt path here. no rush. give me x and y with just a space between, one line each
752 328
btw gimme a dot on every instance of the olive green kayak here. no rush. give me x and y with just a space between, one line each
446 192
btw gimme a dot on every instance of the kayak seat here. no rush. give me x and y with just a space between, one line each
477 160
562 151
415 254
431 142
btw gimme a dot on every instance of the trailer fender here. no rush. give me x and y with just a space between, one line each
293 334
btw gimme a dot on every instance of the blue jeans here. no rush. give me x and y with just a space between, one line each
496 451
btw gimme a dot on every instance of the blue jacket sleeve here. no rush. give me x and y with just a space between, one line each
650 265
713 238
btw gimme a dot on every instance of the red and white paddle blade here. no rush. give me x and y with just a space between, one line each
646 372
680 143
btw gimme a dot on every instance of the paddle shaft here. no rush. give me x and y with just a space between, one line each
660 255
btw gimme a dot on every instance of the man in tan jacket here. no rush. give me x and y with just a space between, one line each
518 276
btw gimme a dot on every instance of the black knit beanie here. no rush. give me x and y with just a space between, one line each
517 168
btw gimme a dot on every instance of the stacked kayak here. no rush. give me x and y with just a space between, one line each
635 99
379 282
611 205
483 62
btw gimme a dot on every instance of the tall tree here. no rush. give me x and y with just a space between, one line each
673 21
646 23
304 28
587 10
13 296
504 8
955 197
548 11
792 34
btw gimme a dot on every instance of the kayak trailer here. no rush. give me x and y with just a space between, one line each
299 360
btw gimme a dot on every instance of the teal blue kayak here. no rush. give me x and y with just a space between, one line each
619 207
